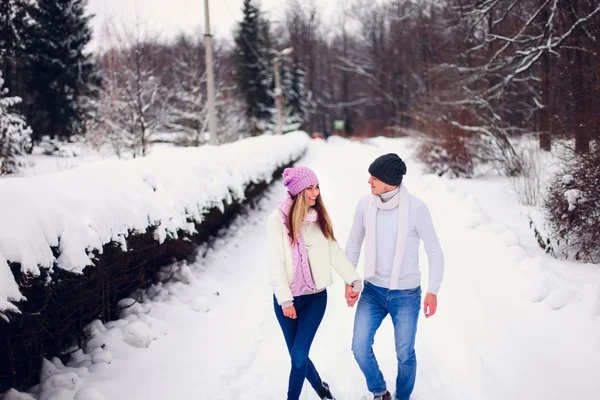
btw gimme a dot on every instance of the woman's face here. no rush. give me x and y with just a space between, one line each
311 193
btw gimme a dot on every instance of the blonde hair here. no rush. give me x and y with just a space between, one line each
298 211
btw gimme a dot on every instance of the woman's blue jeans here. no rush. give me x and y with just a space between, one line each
299 334
374 305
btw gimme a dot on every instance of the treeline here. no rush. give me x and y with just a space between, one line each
470 77
497 68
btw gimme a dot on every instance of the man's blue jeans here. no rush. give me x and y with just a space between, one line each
299 334
403 306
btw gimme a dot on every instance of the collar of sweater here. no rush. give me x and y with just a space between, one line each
387 196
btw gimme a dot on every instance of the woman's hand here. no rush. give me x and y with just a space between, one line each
351 296
290 312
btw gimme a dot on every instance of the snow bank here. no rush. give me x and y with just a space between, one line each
80 210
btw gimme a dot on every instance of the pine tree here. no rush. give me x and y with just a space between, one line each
266 73
14 23
15 135
253 72
294 89
62 76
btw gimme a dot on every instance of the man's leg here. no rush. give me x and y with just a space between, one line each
310 314
370 312
404 309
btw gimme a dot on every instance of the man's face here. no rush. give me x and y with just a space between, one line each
378 187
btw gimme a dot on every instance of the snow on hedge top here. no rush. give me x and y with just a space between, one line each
82 209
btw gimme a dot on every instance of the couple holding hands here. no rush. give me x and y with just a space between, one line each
303 250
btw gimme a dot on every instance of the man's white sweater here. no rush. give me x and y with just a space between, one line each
420 226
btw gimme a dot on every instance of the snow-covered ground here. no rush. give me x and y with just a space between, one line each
512 323
52 155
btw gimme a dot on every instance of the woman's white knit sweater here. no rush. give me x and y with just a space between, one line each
323 255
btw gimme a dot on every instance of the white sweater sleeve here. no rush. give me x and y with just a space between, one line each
435 256
341 264
277 273
357 233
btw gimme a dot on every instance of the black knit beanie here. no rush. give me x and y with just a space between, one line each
388 168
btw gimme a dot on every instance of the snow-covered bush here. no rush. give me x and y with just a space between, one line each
573 208
15 135
446 151
58 147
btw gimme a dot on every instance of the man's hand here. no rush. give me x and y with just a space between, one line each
290 312
429 304
351 297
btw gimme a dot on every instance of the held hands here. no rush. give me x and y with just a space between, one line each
429 304
351 297
290 312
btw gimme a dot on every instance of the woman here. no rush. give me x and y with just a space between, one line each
302 251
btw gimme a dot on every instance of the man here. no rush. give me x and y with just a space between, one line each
391 222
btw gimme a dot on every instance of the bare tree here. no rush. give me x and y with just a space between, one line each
303 24
133 105
188 88
512 41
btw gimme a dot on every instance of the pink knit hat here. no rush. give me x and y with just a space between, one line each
299 178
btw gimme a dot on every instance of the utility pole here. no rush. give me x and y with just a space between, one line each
277 97
210 83
278 92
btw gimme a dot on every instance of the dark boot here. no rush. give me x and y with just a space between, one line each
385 396
324 392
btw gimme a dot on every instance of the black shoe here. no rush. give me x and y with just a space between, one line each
385 396
324 392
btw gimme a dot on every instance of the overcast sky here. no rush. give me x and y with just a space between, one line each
168 17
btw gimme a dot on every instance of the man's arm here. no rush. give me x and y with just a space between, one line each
357 234
353 246
435 257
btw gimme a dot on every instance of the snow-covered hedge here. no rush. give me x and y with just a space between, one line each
59 220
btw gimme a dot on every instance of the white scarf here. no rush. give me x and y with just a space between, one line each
400 200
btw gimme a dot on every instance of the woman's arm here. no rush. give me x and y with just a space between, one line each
277 273
343 266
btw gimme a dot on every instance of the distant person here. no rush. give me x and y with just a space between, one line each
392 223
326 134
302 253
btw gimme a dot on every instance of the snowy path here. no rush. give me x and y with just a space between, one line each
489 341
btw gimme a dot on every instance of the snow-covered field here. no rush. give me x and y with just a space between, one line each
512 323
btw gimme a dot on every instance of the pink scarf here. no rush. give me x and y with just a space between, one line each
303 280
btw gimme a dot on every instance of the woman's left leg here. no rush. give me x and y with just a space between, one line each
309 310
